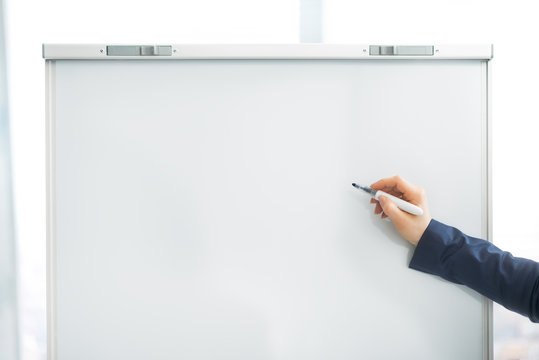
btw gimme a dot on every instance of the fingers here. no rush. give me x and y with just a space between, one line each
377 208
411 227
395 183
387 205
390 210
397 186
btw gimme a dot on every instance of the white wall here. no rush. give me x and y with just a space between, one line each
8 275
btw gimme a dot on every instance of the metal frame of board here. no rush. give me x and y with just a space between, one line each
52 52
287 51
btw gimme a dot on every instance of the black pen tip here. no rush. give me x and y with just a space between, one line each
354 185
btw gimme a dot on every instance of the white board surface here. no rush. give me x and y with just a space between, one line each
204 208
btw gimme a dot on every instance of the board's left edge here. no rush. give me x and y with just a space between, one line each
50 109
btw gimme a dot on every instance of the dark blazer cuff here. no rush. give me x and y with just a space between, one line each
431 247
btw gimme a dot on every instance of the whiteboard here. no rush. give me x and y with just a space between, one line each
203 209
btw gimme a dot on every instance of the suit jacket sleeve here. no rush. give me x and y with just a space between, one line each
510 281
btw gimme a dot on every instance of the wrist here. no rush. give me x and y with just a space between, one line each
421 230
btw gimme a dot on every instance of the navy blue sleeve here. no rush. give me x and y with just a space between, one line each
510 281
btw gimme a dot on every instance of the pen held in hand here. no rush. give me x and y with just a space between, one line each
401 204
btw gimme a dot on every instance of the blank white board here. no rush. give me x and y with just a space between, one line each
203 209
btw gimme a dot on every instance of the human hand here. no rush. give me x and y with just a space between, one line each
411 227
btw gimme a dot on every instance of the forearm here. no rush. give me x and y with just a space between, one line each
478 264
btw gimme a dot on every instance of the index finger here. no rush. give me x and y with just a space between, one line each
394 185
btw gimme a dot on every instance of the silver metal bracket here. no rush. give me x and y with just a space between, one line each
406 50
139 50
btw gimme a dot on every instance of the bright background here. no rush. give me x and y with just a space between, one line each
512 29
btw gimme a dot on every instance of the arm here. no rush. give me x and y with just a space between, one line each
447 252
478 264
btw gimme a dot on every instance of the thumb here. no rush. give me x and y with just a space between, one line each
390 209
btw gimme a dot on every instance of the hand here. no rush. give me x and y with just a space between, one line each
411 227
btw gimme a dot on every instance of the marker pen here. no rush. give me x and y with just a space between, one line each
401 204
